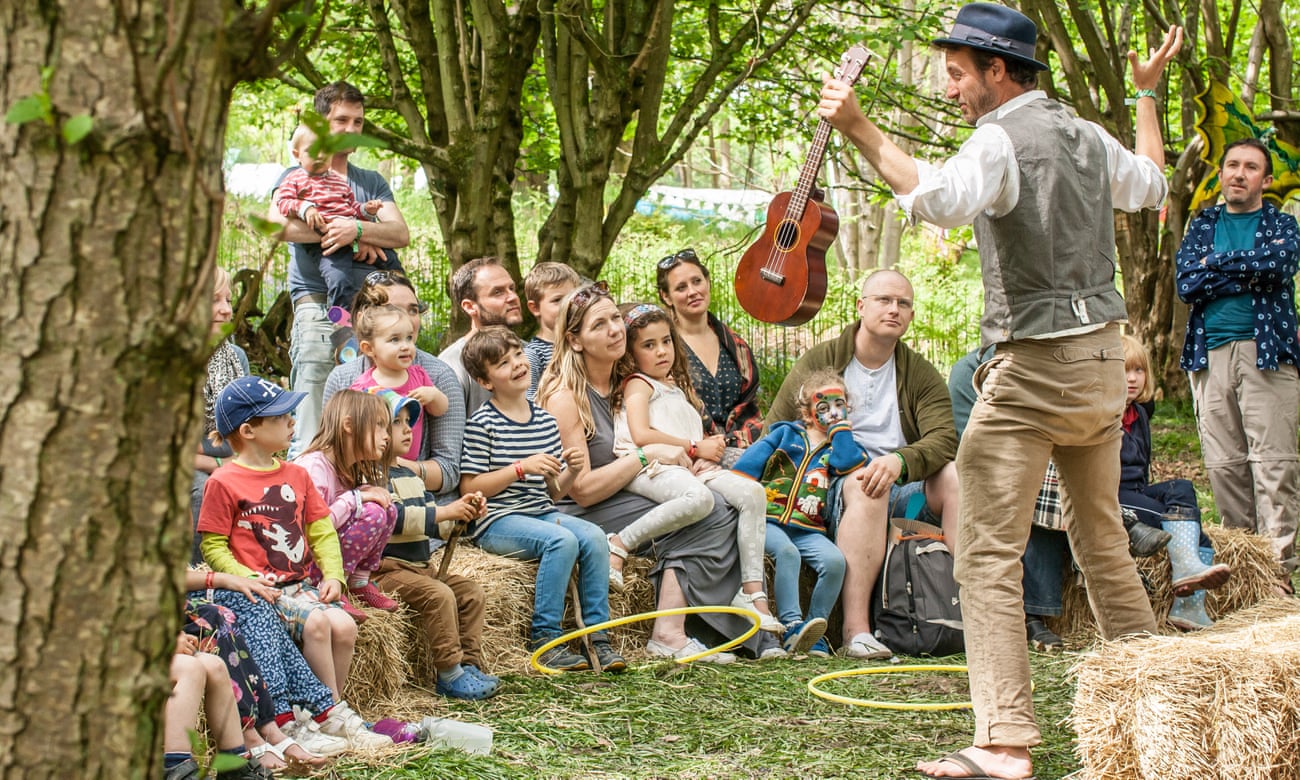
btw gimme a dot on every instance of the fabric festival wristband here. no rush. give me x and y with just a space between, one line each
519 470
1141 93
207 581
902 475
640 455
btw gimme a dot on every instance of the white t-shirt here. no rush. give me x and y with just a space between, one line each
873 407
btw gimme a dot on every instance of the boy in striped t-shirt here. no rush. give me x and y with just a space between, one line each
512 455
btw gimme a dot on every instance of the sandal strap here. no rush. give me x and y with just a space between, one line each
616 551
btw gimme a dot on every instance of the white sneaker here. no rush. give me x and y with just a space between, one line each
345 723
867 647
660 650
768 623
306 732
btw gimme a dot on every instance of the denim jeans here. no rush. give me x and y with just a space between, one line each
312 359
789 546
556 541
1047 553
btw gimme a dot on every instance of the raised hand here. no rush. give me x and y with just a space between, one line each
1147 74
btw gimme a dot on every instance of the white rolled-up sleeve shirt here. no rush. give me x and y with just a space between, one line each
983 176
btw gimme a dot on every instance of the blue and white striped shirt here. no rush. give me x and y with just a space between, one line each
494 441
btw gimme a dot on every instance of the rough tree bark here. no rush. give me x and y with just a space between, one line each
107 248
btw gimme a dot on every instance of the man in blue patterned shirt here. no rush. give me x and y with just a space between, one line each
1236 269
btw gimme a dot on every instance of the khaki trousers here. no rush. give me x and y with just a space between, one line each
1247 420
449 611
1039 399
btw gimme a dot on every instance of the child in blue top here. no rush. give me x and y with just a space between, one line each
796 462
512 455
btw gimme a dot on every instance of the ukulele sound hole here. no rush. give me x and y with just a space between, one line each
787 235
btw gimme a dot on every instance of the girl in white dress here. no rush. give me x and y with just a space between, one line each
654 402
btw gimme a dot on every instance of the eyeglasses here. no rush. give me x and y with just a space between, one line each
389 278
588 294
670 262
904 304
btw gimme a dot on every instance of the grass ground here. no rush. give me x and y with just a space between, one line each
753 720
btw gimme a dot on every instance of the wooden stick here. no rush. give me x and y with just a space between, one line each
577 617
446 554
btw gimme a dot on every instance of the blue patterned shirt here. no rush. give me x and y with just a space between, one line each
1265 271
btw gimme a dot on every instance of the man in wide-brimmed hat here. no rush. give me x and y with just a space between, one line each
1040 186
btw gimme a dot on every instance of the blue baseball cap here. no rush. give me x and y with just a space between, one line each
251 396
995 29
397 403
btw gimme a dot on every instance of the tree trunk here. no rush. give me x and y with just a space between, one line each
106 261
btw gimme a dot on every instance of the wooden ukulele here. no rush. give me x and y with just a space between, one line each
781 279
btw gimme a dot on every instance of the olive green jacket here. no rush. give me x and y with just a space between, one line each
924 407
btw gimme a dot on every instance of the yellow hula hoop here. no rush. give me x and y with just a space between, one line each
887 705
747 613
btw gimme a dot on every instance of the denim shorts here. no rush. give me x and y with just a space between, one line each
899 497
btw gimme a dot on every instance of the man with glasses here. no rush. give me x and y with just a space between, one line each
485 291
311 352
901 415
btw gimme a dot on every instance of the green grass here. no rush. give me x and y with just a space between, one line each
745 720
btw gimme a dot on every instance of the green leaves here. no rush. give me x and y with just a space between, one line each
38 107
328 143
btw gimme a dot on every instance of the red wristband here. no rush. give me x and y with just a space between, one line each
690 453
207 581
519 470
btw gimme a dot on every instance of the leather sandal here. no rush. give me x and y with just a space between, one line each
615 575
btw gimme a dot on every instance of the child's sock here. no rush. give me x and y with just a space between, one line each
359 580
284 718
324 715
240 751
175 759
451 675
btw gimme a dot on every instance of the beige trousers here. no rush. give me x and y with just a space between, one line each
1039 399
1248 419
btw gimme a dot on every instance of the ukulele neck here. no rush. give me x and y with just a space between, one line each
808 173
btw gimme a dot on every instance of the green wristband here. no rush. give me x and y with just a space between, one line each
902 475
1151 93
640 455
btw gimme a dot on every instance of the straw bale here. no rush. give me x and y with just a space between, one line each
380 666
1254 574
1220 703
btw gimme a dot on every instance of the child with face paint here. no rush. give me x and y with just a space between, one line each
796 462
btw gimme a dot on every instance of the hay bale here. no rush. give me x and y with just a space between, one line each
380 667
1220 703
1254 574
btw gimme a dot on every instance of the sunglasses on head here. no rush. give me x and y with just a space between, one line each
670 262
589 293
389 278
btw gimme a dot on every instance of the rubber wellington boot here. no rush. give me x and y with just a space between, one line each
1189 574
1143 540
1188 612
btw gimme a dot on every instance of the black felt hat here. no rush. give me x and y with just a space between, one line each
995 29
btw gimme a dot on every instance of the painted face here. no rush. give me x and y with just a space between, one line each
511 372
221 309
603 335
496 302
828 406
393 347
969 86
688 291
401 434
1135 380
548 308
652 349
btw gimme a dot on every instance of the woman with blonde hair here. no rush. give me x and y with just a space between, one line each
696 565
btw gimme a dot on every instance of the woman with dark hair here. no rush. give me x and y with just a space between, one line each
722 366
696 565
439 463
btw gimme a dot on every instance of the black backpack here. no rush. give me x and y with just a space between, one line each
916 609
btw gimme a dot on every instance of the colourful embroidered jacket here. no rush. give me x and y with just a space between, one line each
797 477
1265 271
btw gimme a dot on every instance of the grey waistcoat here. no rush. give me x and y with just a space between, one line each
1049 264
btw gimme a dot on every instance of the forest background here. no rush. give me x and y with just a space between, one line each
118 118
